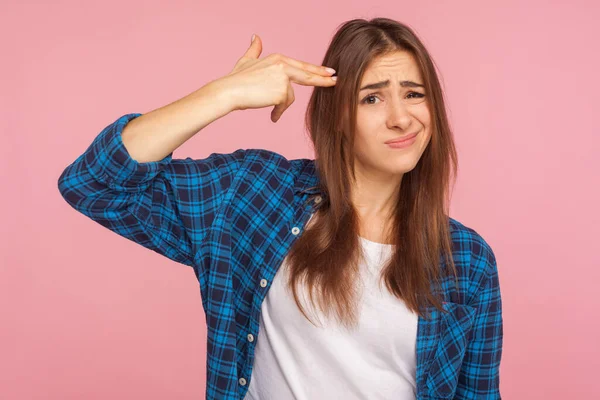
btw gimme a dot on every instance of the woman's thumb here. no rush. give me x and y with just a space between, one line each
255 47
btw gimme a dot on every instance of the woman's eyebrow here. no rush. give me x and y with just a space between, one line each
386 83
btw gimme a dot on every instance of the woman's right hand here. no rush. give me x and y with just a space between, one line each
258 83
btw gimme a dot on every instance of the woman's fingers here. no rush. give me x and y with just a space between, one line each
302 77
315 69
307 78
279 109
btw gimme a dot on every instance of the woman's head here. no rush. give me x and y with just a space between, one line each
349 127
365 52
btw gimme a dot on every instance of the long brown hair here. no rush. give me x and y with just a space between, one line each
325 257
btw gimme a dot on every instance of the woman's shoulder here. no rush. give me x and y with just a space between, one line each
266 156
264 162
472 251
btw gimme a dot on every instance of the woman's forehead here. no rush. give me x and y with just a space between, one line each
397 66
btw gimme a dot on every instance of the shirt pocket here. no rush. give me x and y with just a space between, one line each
455 326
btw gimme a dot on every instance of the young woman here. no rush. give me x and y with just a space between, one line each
359 238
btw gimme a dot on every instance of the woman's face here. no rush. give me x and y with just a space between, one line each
395 109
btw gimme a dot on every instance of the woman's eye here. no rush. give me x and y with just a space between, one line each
371 96
419 95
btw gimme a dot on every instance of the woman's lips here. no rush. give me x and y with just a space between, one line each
402 143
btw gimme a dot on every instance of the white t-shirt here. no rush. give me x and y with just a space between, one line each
296 360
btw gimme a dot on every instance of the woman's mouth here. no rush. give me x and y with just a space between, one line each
401 144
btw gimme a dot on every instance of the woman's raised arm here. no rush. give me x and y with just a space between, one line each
128 182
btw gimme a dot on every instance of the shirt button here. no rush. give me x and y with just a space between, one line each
242 381
263 283
318 199
295 230
250 337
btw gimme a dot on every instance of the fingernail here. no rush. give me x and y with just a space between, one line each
253 36
334 78
330 70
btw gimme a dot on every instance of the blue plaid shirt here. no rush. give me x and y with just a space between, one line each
233 217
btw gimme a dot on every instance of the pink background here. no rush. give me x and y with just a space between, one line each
86 314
